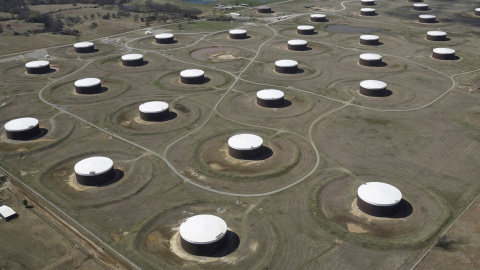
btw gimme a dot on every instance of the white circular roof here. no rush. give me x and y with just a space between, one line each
379 194
153 107
297 42
132 57
87 82
237 31
318 16
264 7
93 166
369 37
373 85
37 64
367 9
203 229
477 9
164 36
444 51
192 73
286 63
85 44
427 16
245 142
436 33
305 27
368 1
370 56
420 5
21 124
270 94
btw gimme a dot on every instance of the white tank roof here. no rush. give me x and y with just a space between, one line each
270 94
87 82
477 9
373 85
264 7
153 107
420 5
84 44
444 51
21 124
237 31
93 166
245 142
368 1
132 57
369 37
37 64
318 16
305 27
164 36
379 194
427 16
436 33
367 9
297 42
286 63
192 73
370 56
203 229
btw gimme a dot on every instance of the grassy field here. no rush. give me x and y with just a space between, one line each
295 206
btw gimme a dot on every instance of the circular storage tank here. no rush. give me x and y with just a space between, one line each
370 59
369 40
373 88
22 128
379 199
297 45
368 2
132 60
245 146
237 34
420 7
270 98
477 11
203 235
88 86
84 47
286 66
367 12
425 18
192 76
165 38
38 67
436 35
153 111
443 53
305 30
264 9
94 171
318 18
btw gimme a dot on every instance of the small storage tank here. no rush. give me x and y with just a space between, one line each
237 34
94 171
318 18
426 18
154 111
84 47
305 30
368 12
88 86
38 67
264 9
436 35
373 88
369 40
443 53
286 66
245 146
132 60
165 38
192 76
420 7
270 98
370 59
368 2
297 45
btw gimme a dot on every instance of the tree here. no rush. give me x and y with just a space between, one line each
180 27
135 17
25 203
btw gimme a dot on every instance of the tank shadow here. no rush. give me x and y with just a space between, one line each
406 209
232 243
118 175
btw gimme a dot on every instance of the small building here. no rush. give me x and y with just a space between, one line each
88 86
264 9
165 38
297 45
436 35
22 128
443 53
154 111
305 30
368 12
38 67
373 88
203 235
245 146
427 18
132 60
286 66
192 76
94 171
370 59
367 2
270 98
379 199
420 7
318 18
84 47
369 40
237 34
7 213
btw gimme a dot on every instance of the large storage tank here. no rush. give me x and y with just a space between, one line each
245 146
154 111
373 88
132 60
370 59
38 67
192 76
88 86
436 35
203 235
237 34
165 38
84 47
24 128
94 171
369 40
270 98
379 199
286 66
443 53
368 12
